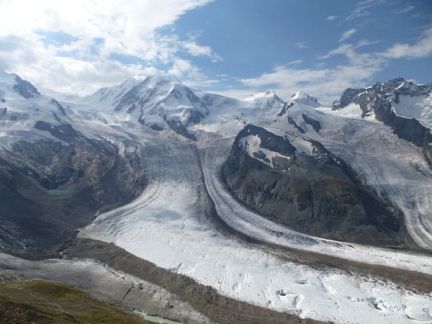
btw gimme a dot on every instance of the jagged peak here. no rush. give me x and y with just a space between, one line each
132 82
396 86
18 85
299 94
304 98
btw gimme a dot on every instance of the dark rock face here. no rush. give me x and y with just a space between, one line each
48 188
181 129
346 98
316 194
59 106
285 108
380 98
292 122
25 88
316 125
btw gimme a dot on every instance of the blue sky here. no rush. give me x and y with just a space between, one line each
234 47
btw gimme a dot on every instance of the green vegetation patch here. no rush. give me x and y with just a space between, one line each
41 301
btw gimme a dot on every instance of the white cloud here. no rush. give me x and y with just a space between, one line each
126 27
191 75
331 18
347 34
422 48
199 50
182 67
325 83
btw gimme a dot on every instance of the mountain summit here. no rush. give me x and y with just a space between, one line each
303 98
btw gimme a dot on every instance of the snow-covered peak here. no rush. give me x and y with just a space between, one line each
155 101
109 98
160 81
105 99
260 96
394 97
267 101
305 99
156 90
22 107
299 95
12 85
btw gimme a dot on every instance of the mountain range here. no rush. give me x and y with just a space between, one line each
155 157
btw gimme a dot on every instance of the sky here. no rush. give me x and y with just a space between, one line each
231 47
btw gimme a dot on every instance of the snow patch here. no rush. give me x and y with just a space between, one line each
418 107
252 145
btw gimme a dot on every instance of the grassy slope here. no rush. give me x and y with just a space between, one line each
40 301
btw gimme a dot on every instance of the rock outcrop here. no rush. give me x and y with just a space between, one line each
299 183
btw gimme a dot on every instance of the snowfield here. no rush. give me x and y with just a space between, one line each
416 107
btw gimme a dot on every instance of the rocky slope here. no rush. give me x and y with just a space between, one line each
299 183
359 172
53 178
402 105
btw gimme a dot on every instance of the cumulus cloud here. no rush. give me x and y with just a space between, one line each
195 49
95 30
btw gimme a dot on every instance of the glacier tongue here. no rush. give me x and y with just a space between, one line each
172 226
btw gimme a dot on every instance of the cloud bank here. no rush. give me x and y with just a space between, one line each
81 45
